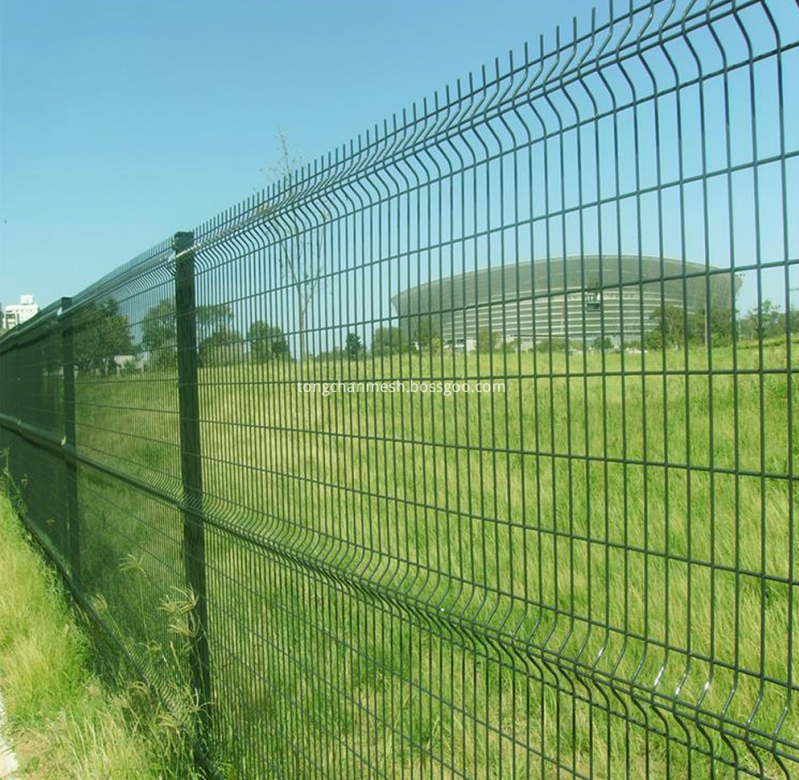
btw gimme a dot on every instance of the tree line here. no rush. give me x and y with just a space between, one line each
219 342
674 327
104 343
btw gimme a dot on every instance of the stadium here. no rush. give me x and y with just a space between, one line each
580 299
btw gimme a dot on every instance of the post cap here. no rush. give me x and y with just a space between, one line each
182 240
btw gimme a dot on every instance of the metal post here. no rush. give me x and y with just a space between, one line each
70 442
191 465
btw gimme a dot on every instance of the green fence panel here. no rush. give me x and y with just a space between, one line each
467 450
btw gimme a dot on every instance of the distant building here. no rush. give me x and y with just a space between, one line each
574 298
17 313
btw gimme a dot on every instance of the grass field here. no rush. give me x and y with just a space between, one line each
625 518
64 723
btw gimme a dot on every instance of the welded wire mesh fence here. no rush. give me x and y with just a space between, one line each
468 450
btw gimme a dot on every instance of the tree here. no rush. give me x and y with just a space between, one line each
267 342
353 346
159 335
767 322
673 328
424 331
213 318
717 325
160 330
223 347
487 340
602 344
219 343
554 344
669 330
793 320
301 252
387 341
101 334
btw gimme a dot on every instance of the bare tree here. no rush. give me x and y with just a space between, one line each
302 253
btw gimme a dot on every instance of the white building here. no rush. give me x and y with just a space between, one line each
17 313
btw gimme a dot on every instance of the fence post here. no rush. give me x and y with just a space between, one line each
70 443
191 467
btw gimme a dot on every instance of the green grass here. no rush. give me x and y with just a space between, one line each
65 723
592 512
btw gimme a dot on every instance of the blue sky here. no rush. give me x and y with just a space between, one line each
123 121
